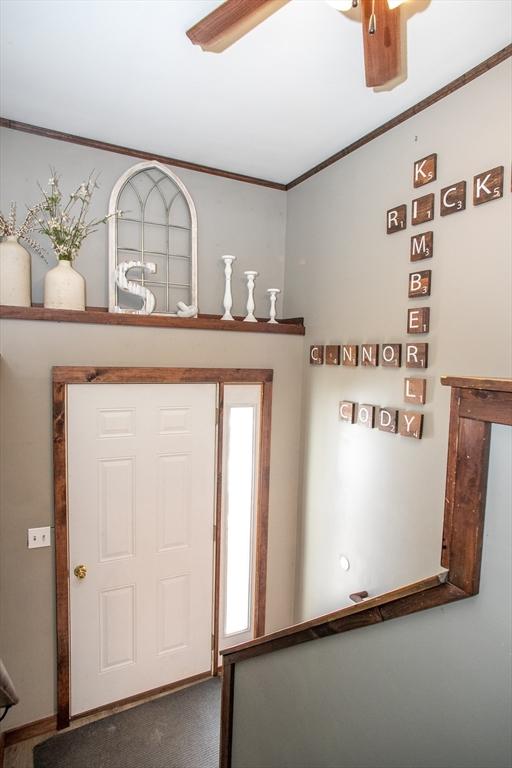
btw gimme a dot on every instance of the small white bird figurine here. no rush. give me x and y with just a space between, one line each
184 310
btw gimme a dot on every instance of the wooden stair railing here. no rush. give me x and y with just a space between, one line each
476 404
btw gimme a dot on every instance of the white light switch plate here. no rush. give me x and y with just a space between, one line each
39 537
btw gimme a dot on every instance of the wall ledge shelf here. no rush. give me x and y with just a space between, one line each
101 316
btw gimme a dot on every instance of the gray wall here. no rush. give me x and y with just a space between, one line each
242 219
425 691
233 217
29 350
372 496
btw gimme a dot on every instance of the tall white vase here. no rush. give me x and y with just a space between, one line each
64 287
15 289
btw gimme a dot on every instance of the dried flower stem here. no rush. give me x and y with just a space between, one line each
8 228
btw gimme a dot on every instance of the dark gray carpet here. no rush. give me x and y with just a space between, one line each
180 730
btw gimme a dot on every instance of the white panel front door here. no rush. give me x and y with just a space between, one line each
141 483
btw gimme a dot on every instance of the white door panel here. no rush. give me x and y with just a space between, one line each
141 476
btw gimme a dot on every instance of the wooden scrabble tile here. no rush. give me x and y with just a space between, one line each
422 246
415 391
332 354
420 283
425 170
349 354
410 424
418 320
391 355
347 411
453 198
387 419
316 354
369 354
366 415
423 209
396 219
416 355
488 186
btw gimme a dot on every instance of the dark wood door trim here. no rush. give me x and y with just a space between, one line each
476 404
109 375
218 527
262 511
62 376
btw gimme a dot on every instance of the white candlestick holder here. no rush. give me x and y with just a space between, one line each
228 298
250 275
273 293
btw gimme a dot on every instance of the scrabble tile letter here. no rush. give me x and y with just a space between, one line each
416 355
419 283
423 209
316 354
370 354
453 199
410 424
366 415
418 320
488 186
350 354
422 246
391 355
332 354
396 219
387 419
425 170
415 391
347 411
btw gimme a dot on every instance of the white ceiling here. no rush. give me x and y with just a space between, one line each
279 101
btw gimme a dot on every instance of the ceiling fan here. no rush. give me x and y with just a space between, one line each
382 42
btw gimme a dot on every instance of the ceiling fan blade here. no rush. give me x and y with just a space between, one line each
231 21
383 49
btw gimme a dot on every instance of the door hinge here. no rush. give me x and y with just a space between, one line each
217 416
214 532
213 642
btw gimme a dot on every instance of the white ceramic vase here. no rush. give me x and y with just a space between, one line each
64 287
15 288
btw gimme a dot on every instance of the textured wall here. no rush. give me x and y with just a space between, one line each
29 350
425 691
375 497
242 219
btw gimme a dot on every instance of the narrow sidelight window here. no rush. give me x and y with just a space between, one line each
239 503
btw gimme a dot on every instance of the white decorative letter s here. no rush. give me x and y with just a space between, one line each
148 298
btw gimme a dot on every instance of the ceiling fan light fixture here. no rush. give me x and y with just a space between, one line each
392 4
341 5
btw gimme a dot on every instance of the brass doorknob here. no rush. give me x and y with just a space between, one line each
80 571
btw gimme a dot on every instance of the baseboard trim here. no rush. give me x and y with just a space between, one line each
29 730
48 725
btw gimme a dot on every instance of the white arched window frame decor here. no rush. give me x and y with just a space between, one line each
158 224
